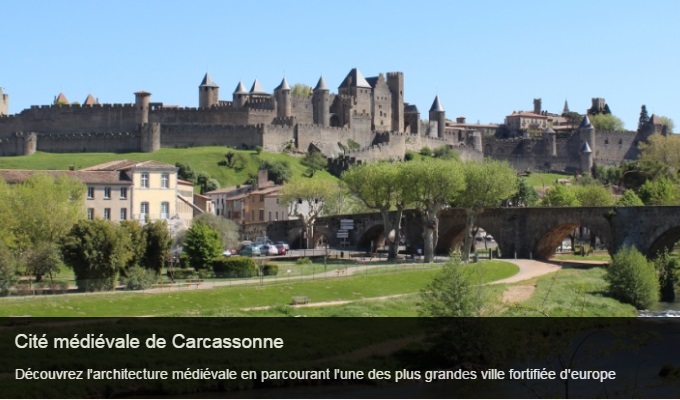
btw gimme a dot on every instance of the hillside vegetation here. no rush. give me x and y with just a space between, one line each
202 159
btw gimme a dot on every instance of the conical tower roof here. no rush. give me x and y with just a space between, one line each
355 79
61 99
436 105
548 130
321 85
566 107
585 123
207 81
283 85
90 101
585 149
257 88
240 89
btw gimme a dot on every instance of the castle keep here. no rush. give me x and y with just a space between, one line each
368 112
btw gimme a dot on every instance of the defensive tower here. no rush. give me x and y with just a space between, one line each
208 93
4 103
320 103
438 115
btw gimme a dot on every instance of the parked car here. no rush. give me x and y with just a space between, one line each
282 249
269 250
227 253
489 238
282 243
250 250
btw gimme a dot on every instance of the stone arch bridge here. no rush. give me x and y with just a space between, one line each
526 232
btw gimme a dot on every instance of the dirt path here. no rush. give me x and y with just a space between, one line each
528 269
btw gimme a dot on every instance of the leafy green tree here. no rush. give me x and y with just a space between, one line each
227 229
137 243
445 152
659 192
487 185
606 122
644 117
206 183
157 245
668 269
279 170
431 185
525 196
185 172
594 195
560 196
96 251
629 199
300 89
632 279
664 150
44 259
201 245
306 199
8 270
46 208
456 291
382 187
314 161
668 123
426 151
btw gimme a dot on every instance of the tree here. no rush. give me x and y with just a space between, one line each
44 209
594 195
96 251
644 117
206 183
300 89
157 246
525 196
185 172
279 170
560 196
487 185
137 243
306 199
664 150
227 229
432 185
660 192
455 291
201 245
381 187
606 122
43 259
314 161
668 123
629 199
8 270
668 269
445 152
632 279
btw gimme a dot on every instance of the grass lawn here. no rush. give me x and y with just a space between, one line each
572 293
539 179
230 300
589 257
201 159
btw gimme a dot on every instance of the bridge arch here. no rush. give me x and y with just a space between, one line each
664 241
373 236
551 239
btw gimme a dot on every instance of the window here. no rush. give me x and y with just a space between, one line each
107 213
270 216
261 198
107 192
165 210
90 213
252 215
165 181
277 215
144 210
90 192
261 215
123 193
145 179
123 214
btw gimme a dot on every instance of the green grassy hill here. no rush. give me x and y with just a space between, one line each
201 159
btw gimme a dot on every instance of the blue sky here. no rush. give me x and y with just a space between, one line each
484 59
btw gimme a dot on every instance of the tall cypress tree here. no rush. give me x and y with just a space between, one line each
644 117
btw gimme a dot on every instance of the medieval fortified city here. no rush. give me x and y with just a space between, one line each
392 187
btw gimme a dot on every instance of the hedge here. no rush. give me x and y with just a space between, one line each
234 267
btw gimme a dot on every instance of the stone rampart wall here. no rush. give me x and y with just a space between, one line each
195 135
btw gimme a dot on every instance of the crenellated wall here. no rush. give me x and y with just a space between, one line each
195 135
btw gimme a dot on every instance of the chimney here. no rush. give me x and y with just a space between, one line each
262 178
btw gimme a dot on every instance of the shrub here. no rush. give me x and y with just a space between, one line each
425 151
632 278
234 267
353 145
139 278
454 292
270 270
409 156
180 273
258 149
303 261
